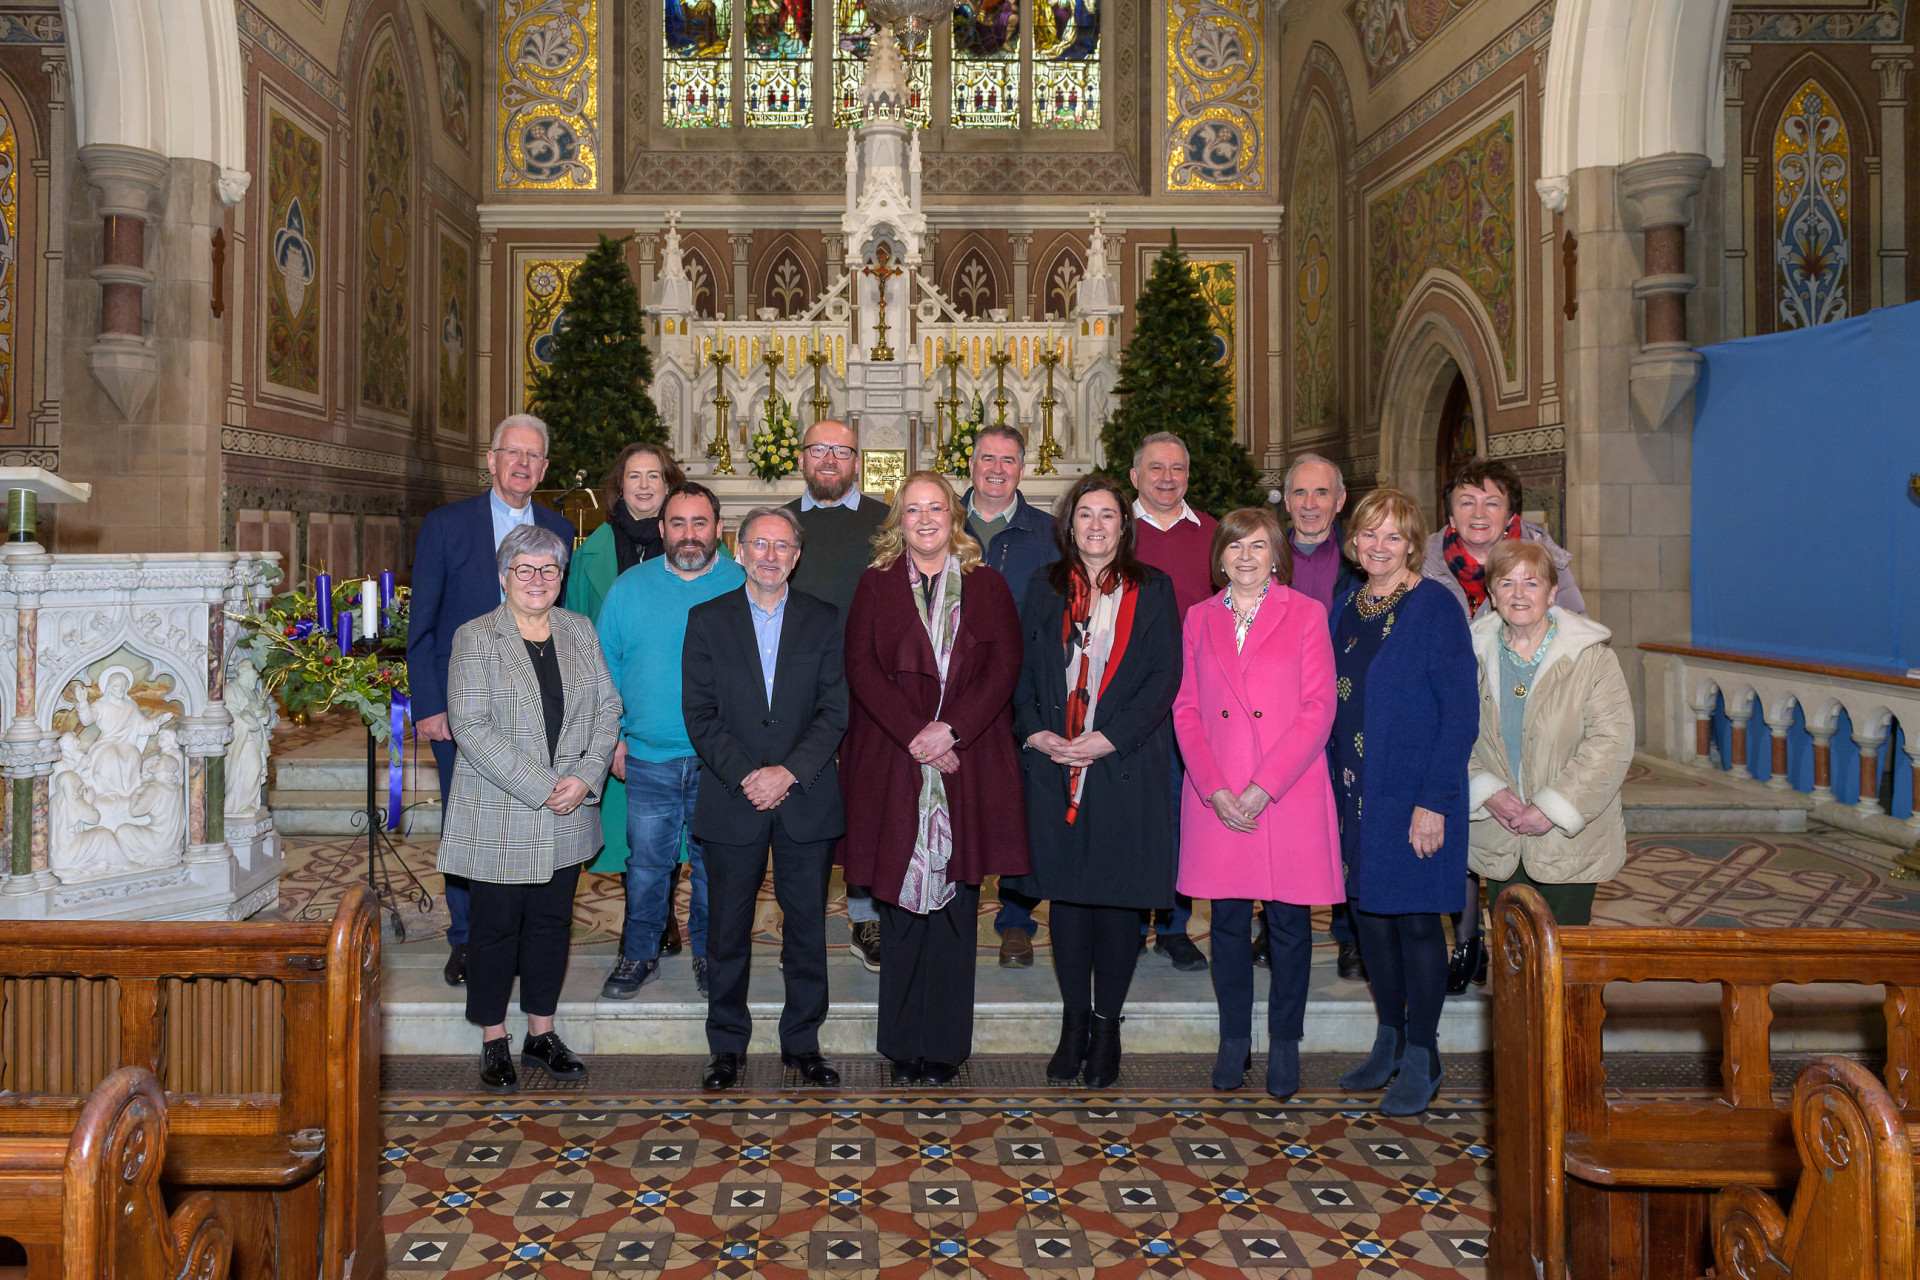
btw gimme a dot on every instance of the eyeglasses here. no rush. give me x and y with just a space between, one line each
528 572
821 452
522 455
766 547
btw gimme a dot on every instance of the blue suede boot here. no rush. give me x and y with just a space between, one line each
1381 1063
1283 1069
1414 1087
1231 1063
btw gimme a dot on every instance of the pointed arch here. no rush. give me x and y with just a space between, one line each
1443 331
387 168
787 280
975 277
1809 134
1061 266
709 288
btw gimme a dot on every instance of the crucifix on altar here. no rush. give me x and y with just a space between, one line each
882 271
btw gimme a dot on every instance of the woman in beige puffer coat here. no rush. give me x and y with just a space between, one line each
1551 819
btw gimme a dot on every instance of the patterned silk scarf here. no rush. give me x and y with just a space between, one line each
1094 631
926 888
1468 572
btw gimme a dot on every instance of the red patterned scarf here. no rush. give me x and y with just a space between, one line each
1468 572
1076 635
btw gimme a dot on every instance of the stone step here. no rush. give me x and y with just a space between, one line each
319 773
341 812
1662 797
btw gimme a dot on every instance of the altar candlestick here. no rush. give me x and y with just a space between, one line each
369 613
323 601
386 589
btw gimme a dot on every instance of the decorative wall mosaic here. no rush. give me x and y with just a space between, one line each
456 278
547 120
32 28
1216 95
1457 214
1510 44
1872 22
9 259
295 162
1812 174
386 234
1390 30
545 283
1220 288
1315 220
456 86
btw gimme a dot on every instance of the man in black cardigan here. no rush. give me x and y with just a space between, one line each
764 693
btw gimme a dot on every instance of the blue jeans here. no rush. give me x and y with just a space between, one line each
660 800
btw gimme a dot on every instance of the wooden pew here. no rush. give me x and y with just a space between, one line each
1853 1207
97 1195
1593 1185
266 1038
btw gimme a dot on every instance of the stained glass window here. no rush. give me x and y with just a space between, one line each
698 37
986 64
779 64
1066 64
853 37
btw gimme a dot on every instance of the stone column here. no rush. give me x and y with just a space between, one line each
1664 371
1733 220
741 241
1893 62
1275 457
123 361
22 742
482 426
836 250
1022 304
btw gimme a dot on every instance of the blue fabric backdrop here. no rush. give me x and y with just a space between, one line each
1805 541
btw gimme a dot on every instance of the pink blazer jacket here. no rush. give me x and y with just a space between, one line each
1261 714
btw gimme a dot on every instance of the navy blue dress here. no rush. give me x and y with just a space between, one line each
1356 641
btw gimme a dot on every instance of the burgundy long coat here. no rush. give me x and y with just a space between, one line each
896 691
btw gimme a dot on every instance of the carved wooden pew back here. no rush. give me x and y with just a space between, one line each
266 1038
1597 1184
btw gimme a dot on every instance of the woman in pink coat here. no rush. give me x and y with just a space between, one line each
1258 822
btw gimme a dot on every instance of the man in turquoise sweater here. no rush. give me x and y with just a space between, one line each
643 624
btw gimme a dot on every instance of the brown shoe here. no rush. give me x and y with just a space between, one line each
1016 949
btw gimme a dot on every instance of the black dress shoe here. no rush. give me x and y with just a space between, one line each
1262 948
905 1074
814 1070
496 1066
1350 966
670 943
456 971
939 1072
723 1070
550 1053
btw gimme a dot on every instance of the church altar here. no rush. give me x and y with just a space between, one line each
882 347
136 745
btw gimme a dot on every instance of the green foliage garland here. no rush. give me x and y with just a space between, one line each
593 397
304 666
1170 381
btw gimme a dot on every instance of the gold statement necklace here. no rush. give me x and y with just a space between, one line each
1370 607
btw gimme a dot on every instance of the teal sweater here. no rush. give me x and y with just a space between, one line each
643 625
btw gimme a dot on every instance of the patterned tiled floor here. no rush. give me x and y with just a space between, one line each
871 1186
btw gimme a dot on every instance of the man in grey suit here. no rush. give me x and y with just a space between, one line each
764 696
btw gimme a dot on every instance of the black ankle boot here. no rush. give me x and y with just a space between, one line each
1468 958
1103 1053
1075 1027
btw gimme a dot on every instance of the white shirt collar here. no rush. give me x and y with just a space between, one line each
850 500
1140 512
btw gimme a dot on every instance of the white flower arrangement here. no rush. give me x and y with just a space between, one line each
774 451
956 455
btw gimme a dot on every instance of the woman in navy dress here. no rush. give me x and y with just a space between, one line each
1406 714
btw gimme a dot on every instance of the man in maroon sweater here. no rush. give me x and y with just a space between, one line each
1178 541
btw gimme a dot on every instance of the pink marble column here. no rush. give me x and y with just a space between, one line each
197 800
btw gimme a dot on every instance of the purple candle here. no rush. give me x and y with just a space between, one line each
345 631
386 589
323 602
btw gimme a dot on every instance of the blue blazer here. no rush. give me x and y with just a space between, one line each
1024 547
1422 718
455 580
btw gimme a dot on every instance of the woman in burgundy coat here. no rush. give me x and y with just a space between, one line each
928 769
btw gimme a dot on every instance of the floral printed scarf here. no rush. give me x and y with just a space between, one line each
926 888
1468 572
1094 631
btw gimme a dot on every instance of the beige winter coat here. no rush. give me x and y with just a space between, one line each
1576 743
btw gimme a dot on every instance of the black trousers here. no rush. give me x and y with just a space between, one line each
523 930
1290 943
1094 951
926 980
735 873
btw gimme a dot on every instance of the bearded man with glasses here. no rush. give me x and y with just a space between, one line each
838 523
643 628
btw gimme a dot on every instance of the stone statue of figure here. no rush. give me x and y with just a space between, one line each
247 753
160 799
78 847
123 729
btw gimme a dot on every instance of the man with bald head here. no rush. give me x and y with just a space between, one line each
837 524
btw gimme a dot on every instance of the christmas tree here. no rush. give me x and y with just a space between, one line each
1171 380
593 397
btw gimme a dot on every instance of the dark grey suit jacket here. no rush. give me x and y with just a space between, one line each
734 730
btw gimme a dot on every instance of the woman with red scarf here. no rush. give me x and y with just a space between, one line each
1093 714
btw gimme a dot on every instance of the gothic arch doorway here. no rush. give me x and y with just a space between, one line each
1430 418
1456 440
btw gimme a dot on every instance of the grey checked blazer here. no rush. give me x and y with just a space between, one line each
495 828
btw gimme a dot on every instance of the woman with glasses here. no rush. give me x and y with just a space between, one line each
535 712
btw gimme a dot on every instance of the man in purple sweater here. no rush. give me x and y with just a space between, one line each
1178 541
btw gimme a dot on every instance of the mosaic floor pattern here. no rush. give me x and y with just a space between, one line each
883 1186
